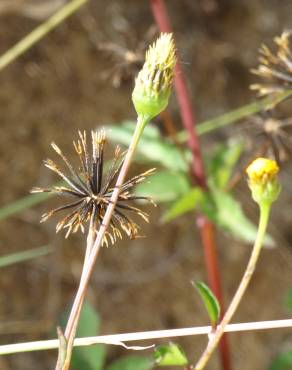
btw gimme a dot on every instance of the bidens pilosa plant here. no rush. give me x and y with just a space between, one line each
104 203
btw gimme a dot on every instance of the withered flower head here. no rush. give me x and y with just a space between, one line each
275 68
91 193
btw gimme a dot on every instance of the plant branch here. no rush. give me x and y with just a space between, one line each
92 256
39 32
197 170
115 339
215 337
202 128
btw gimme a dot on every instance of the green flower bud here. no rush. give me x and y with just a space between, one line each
154 81
263 180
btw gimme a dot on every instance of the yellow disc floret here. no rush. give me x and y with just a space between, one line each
262 169
263 180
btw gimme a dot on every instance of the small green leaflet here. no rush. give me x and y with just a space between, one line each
132 362
288 300
186 203
282 362
192 199
210 301
164 186
152 146
222 163
171 355
231 217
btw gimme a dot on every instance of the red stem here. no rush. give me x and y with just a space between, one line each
205 226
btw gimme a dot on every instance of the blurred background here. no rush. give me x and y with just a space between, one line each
80 76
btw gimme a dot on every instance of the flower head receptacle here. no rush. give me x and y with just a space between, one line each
263 180
153 84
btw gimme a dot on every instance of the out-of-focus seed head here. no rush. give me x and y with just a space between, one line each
263 180
275 68
153 84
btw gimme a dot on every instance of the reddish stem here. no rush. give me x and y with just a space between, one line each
207 235
205 226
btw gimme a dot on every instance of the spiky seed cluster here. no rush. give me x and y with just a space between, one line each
263 180
154 82
91 194
275 68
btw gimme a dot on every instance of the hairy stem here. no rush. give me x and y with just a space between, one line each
91 258
215 337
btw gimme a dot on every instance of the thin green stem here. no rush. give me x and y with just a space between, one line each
215 337
11 259
39 32
235 115
94 250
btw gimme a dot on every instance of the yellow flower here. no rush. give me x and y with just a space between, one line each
262 170
263 180
153 84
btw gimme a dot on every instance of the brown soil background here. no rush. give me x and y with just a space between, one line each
55 89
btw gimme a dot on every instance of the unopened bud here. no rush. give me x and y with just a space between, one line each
263 180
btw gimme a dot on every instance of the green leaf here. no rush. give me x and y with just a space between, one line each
91 357
210 301
282 362
186 203
171 355
11 259
288 300
221 165
152 146
164 186
230 217
132 362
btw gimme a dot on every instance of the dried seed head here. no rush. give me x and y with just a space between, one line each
91 193
275 68
154 82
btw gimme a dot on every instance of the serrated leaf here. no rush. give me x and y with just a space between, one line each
164 186
231 217
282 362
132 362
221 165
91 357
152 146
171 355
210 301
